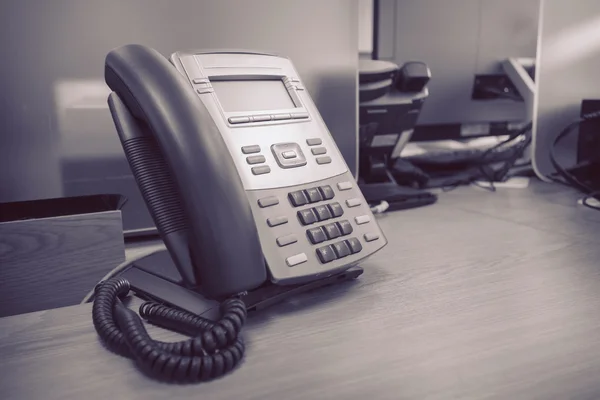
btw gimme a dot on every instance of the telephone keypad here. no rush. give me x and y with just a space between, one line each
307 217
255 159
322 212
276 221
341 249
336 209
298 198
326 254
251 149
345 227
354 245
286 240
268 201
263 169
313 194
327 192
332 231
296 259
316 235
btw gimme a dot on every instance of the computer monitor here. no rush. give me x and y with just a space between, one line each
567 72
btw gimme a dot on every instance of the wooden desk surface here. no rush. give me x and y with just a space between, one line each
481 296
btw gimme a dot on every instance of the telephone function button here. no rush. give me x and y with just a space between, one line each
255 159
332 231
344 185
345 227
286 240
281 117
354 245
297 198
362 219
341 249
268 201
313 194
307 217
322 212
353 202
296 259
276 221
302 115
318 151
199 81
251 149
326 254
210 90
323 160
316 235
263 169
313 141
369 237
327 192
236 120
261 118
336 210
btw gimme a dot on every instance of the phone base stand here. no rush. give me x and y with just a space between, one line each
156 278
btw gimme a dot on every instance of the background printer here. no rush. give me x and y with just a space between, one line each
391 99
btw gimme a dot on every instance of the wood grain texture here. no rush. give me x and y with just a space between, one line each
53 262
470 300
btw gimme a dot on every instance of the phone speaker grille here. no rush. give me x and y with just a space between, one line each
156 184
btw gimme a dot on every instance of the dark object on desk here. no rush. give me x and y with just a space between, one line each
413 77
52 251
398 197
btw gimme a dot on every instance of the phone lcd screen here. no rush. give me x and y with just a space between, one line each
252 95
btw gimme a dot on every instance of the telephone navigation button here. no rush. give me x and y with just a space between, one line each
255 159
327 192
288 154
369 237
307 217
326 254
313 141
251 149
297 259
298 198
263 169
354 244
313 195
286 240
316 235
318 151
268 201
323 160
276 221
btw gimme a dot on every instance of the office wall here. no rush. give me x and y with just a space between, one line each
57 135
365 27
459 39
568 70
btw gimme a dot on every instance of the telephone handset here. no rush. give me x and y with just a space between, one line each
244 183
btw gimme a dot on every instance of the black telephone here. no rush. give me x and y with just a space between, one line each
246 187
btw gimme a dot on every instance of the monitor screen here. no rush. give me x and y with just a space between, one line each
252 95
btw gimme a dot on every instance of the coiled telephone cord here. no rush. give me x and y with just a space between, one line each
215 349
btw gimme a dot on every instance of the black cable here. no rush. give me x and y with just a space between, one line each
568 177
215 349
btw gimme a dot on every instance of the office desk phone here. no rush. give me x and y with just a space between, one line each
245 184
